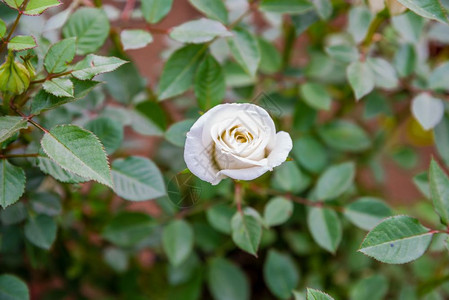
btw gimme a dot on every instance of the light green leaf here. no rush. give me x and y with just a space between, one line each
135 38
343 53
383 72
277 211
236 76
13 288
367 212
317 295
360 18
285 6
405 60
13 214
245 49
149 118
137 179
176 134
59 55
210 84
177 241
397 240
154 10
199 31
421 181
129 228
44 101
361 78
441 133
2 28
21 42
12 183
227 281
409 25
335 181
179 71
289 178
214 9
374 287
59 87
90 26
344 136
10 125
34 7
93 65
41 231
51 168
439 190
246 232
315 95
116 258
270 60
303 21
125 83
310 154
438 78
46 204
220 216
323 8
431 9
427 110
325 227
280 274
108 131
78 151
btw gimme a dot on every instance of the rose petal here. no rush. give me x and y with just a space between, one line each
282 148
245 174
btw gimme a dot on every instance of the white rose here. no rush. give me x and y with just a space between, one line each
237 141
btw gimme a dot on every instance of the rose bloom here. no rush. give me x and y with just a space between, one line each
237 141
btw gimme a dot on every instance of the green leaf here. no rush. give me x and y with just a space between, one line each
236 76
34 7
343 53
2 28
149 119
374 287
325 227
10 125
344 136
219 217
439 190
12 183
289 178
59 87
280 274
154 10
245 49
421 181
441 138
129 228
304 20
214 9
438 78
246 232
137 179
116 258
360 18
177 240
431 9
179 71
383 72
41 231
367 212
46 204
125 83
59 55
315 95
310 154
93 65
199 31
108 131
317 295
227 281
13 214
135 38
323 8
51 168
277 211
78 151
21 42
427 110
176 134
285 6
13 288
210 84
335 181
409 25
405 60
90 27
397 240
45 101
361 78
270 60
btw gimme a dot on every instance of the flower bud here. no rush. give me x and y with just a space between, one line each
14 77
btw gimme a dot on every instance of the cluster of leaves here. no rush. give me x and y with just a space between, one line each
66 109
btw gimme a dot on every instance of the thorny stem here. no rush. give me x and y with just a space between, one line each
14 26
50 77
28 118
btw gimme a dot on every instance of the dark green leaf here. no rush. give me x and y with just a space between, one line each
335 181
246 232
108 131
177 240
344 136
325 227
245 49
129 228
154 10
214 9
227 281
59 55
12 183
439 190
285 6
41 231
176 134
210 85
13 288
367 212
280 274
10 125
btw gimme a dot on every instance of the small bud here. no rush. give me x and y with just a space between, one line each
14 77
29 66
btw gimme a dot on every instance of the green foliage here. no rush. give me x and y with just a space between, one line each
317 295
335 181
210 85
154 10
177 240
10 125
135 39
199 31
128 228
41 231
325 227
277 211
214 9
246 231
367 212
21 42
280 274
227 281
12 184
12 288
245 49
59 55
